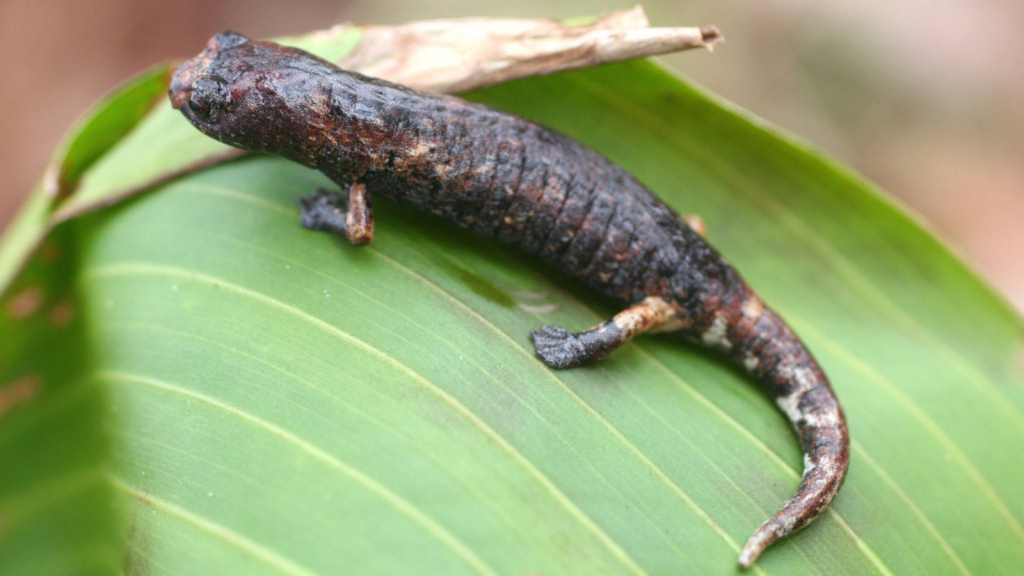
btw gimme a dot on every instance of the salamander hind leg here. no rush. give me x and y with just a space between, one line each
559 348
328 211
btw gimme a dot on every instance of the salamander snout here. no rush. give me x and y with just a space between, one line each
180 89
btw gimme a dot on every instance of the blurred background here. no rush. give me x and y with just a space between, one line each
925 97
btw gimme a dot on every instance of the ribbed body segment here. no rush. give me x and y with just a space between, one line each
539 191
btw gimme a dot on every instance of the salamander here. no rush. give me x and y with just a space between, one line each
529 187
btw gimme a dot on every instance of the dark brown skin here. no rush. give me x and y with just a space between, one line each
529 187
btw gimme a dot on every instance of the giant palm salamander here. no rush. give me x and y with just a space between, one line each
529 187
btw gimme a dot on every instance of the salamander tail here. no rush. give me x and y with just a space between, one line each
771 352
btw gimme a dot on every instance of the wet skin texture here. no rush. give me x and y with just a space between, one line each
529 187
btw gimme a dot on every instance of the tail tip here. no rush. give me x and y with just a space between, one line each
751 552
764 537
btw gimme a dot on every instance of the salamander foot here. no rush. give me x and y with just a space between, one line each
559 348
324 210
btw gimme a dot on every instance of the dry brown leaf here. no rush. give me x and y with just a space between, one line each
463 54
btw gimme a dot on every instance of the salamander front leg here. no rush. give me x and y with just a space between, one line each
326 210
559 348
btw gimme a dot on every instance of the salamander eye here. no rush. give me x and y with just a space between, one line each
199 106
210 95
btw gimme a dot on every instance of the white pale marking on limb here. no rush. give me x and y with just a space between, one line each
667 318
715 335
751 363
654 314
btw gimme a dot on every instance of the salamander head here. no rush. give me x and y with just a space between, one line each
258 96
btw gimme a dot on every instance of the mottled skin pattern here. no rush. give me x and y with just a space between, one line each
526 186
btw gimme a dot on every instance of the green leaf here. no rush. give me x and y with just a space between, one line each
57 506
275 401
104 127
99 131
